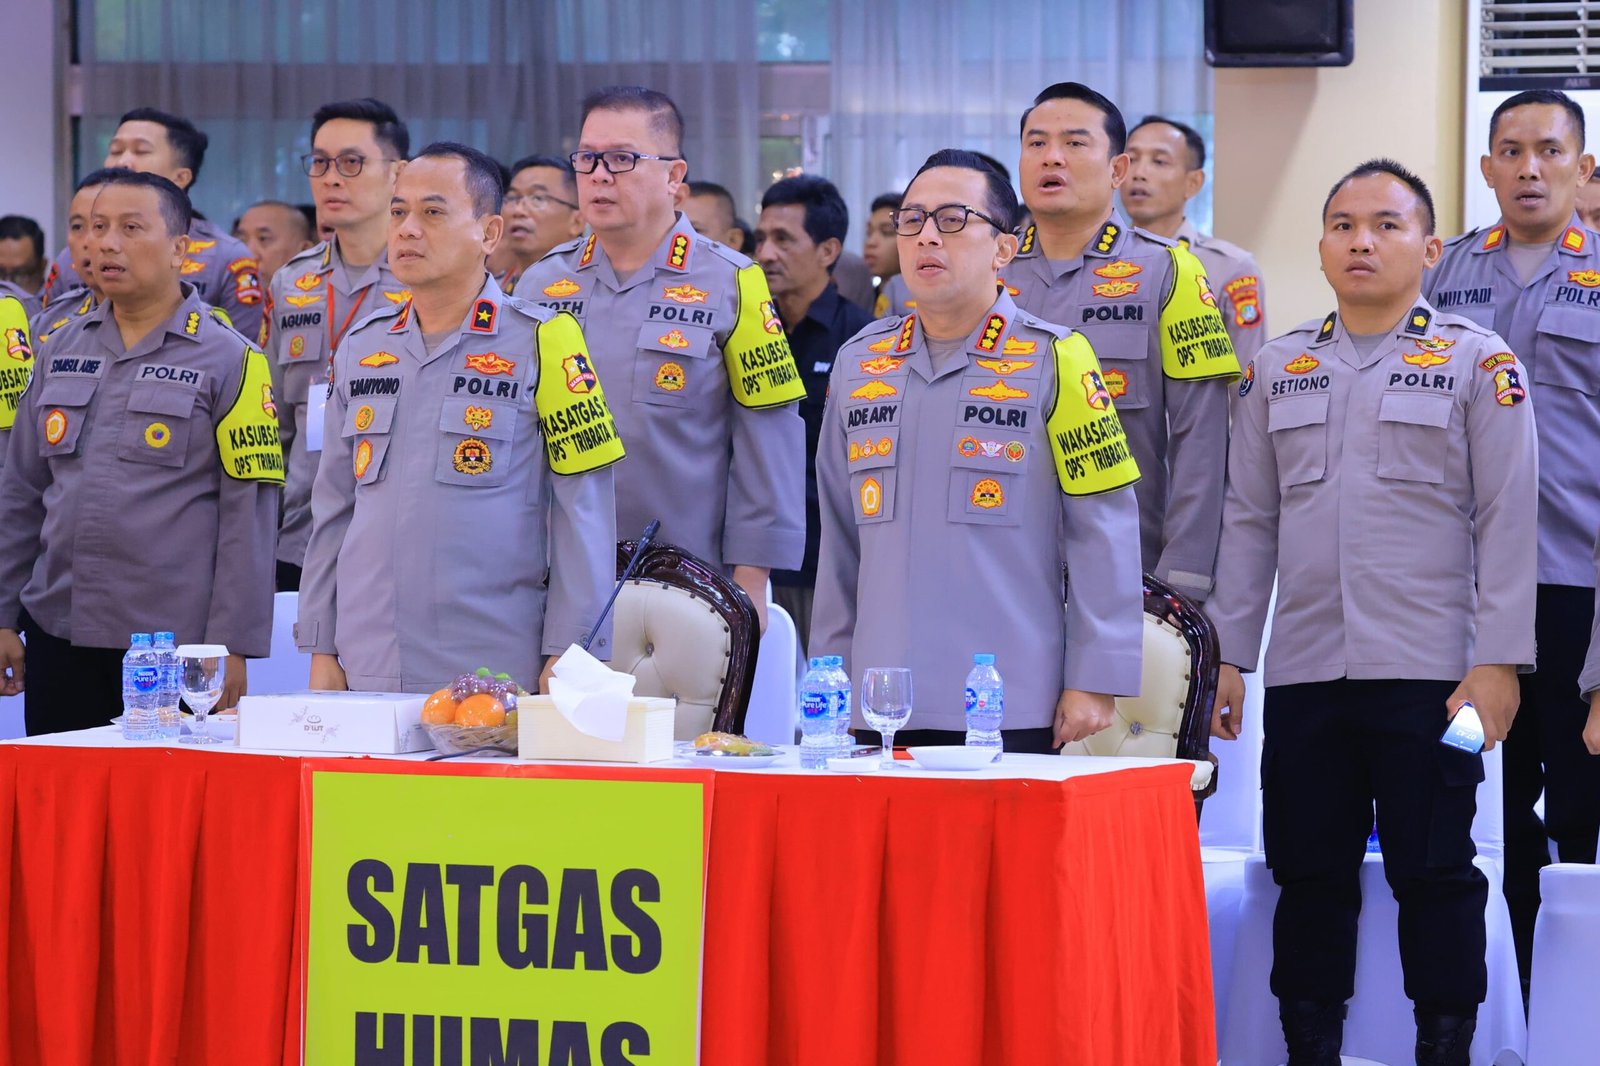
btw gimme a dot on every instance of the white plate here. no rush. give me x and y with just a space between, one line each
730 762
952 757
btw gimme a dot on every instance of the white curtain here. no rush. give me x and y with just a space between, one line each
913 76
506 76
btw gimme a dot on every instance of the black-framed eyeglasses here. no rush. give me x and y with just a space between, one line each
947 218
537 201
348 165
616 161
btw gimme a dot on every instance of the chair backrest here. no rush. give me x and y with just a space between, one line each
1171 716
685 631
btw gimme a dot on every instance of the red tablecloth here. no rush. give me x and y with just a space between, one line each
150 905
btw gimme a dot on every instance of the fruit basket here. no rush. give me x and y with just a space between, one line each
476 712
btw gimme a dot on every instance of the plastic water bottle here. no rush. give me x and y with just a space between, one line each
841 706
986 703
141 682
167 722
818 700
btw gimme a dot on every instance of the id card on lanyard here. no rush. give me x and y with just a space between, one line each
317 394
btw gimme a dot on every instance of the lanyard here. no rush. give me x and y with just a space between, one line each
335 338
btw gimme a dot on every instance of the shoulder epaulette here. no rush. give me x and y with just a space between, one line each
1461 238
563 249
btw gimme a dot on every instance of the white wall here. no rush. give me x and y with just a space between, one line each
34 167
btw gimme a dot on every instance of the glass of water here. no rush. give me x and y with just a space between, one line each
200 676
886 703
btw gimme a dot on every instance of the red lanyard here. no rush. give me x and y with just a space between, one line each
335 338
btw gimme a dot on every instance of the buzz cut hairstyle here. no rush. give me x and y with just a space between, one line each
665 117
1395 170
891 200
484 183
1191 137
1540 96
176 211
21 227
307 227
188 143
1116 128
1001 198
387 129
569 177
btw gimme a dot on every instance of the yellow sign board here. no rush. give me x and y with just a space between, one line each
460 919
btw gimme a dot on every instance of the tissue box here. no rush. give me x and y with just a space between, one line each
368 723
543 733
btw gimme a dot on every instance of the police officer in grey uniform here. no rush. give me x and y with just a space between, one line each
463 509
221 268
968 452
357 148
1139 299
16 363
1383 464
32 303
141 491
1534 278
686 336
1166 169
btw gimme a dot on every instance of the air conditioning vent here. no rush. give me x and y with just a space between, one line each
1524 43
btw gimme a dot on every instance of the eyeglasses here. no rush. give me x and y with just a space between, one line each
537 201
617 161
947 218
348 165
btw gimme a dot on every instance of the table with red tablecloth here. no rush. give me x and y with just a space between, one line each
153 913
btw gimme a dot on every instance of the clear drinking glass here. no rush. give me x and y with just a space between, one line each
200 675
886 703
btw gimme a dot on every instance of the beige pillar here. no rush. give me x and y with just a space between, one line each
1284 135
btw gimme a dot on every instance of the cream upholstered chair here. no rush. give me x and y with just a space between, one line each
1171 716
685 631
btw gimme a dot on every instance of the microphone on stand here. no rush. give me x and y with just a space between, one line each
650 532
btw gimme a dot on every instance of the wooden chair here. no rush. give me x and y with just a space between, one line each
687 632
1171 716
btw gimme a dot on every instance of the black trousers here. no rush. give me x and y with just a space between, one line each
1545 753
288 577
66 687
1334 749
1023 741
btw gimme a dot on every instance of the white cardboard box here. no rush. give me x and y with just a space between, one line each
543 733
371 723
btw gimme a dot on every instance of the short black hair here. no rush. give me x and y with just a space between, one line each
569 177
310 211
747 235
18 227
1116 128
309 223
891 200
98 177
1001 197
188 143
484 183
176 211
711 188
665 116
994 164
1539 96
826 214
387 129
1191 137
1396 171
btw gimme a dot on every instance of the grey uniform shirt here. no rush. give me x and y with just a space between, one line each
1236 279
704 391
1589 679
945 528
1553 325
313 301
894 298
441 539
219 266
123 511
32 302
1124 293
1394 496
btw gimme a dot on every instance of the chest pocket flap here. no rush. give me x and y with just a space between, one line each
368 414
1299 429
1413 443
493 419
62 401
1565 355
157 427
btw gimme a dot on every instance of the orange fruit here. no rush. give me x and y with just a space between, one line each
480 709
440 709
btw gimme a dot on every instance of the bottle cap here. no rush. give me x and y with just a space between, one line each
164 635
836 660
983 658
138 638
818 662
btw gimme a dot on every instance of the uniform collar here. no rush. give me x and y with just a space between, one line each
333 263
675 255
187 324
1188 236
990 339
1573 241
1107 243
482 321
1416 326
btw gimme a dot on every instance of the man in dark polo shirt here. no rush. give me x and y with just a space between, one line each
798 239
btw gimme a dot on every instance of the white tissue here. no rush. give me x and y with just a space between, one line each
590 695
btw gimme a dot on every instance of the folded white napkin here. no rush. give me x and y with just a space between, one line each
591 695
